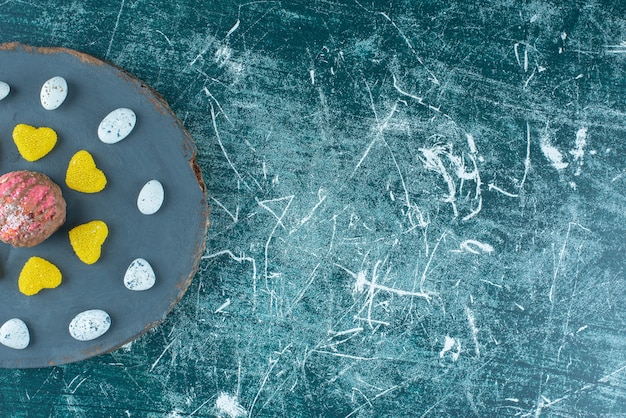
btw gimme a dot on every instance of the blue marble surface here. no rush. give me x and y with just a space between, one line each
418 209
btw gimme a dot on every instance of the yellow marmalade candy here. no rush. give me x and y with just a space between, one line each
87 240
34 143
38 274
83 175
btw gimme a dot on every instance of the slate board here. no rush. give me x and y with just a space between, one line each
310 118
172 239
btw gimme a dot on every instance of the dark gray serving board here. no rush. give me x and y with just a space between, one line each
172 240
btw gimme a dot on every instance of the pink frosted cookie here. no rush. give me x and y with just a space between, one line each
31 208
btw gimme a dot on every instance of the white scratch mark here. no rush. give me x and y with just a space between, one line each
272 364
547 403
239 259
354 389
527 82
373 288
337 354
351 331
525 63
202 405
263 204
499 286
619 176
432 77
200 54
579 152
361 282
613 373
219 141
223 306
167 347
368 401
233 29
504 192
526 59
471 144
526 169
376 137
304 289
73 391
430 260
279 222
418 99
616 49
472 323
380 127
234 217
165 36
476 247
321 197
432 161
558 262
238 390
117 23
371 321
527 159
219 106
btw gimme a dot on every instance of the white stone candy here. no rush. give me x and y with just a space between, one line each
53 93
139 275
5 89
117 125
150 197
89 325
14 334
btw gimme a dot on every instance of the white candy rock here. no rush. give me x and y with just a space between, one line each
117 125
5 89
89 325
139 275
150 197
14 334
53 93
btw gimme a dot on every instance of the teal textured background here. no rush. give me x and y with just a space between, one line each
418 209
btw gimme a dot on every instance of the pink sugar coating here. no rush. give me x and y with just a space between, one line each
21 201
40 196
12 179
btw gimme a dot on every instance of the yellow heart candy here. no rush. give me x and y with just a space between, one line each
87 240
34 143
38 274
83 175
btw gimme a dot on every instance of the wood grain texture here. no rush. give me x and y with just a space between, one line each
418 209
